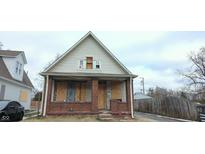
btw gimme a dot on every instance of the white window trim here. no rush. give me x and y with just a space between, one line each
95 63
17 67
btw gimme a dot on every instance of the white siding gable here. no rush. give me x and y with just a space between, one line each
88 48
11 65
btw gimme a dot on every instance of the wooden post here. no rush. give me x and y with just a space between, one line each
94 95
49 94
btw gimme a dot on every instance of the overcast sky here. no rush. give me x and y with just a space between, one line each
156 56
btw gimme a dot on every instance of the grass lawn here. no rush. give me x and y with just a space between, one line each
76 118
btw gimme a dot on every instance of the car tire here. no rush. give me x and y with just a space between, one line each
12 117
20 116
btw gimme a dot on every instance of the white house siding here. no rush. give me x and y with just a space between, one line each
12 92
88 48
11 65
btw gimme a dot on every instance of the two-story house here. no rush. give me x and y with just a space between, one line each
14 82
87 79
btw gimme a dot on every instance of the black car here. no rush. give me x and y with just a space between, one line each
11 111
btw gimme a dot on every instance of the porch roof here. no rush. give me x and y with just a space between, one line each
59 74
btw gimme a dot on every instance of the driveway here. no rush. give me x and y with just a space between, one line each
147 117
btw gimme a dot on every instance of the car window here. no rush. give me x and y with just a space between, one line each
14 104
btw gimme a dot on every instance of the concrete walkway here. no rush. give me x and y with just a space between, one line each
147 117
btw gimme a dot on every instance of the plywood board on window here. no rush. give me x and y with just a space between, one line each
83 91
89 65
116 90
78 91
61 90
23 96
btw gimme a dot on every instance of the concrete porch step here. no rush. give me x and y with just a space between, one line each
105 115
104 111
106 119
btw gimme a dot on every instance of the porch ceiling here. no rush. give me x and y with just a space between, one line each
87 78
89 75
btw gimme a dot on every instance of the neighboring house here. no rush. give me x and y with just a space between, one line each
142 97
87 79
142 102
14 82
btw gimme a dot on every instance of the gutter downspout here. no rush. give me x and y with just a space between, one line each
46 97
131 90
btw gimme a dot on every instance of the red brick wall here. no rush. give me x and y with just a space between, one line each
35 105
69 108
118 107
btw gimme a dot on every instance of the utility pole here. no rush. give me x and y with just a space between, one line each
142 82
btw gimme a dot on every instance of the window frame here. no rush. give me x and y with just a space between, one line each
20 68
83 64
17 67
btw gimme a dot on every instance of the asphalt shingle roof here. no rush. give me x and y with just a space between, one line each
9 53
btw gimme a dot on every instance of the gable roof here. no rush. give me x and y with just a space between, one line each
4 72
11 53
79 42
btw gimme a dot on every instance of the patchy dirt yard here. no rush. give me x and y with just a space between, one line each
69 118
77 118
139 117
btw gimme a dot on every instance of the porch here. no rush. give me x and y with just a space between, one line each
87 95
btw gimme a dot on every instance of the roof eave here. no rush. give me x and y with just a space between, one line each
16 82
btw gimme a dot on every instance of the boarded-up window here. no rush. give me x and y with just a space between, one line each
23 96
72 91
81 93
89 64
61 88
116 90
78 90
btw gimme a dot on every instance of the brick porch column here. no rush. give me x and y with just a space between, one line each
94 95
128 92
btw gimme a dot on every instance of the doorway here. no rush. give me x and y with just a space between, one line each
102 95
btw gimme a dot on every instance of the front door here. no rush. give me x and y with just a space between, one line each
101 95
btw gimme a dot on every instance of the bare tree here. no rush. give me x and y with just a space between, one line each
51 61
195 75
